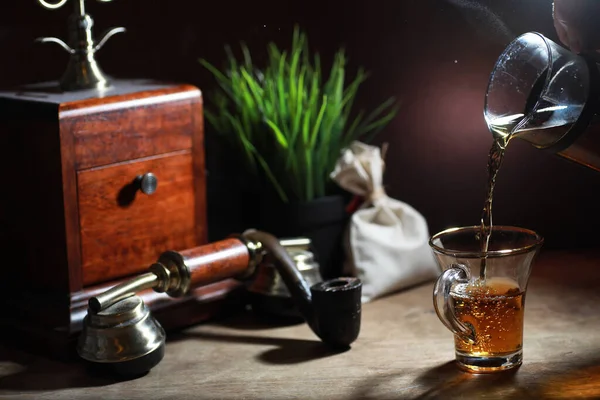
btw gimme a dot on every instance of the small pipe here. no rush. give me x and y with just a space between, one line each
331 309
123 290
293 279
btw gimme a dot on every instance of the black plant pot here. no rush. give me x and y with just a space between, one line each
323 220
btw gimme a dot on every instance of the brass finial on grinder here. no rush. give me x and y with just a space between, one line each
83 72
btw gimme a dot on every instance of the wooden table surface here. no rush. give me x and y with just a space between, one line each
403 352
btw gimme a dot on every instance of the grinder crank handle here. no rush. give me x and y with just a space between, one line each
331 308
176 272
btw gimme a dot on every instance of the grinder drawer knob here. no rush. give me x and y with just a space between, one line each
148 183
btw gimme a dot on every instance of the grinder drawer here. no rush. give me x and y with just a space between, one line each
124 224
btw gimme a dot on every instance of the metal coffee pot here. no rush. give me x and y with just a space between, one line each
548 96
268 292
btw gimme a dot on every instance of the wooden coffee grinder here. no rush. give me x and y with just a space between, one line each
100 177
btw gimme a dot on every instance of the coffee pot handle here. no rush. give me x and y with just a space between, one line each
444 307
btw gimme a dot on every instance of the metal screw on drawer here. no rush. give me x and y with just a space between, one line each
148 183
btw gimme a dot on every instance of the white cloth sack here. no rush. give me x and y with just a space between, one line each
386 241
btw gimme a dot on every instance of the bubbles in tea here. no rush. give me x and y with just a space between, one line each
494 309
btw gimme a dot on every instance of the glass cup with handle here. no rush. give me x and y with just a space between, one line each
484 309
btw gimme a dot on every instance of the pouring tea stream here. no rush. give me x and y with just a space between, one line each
546 95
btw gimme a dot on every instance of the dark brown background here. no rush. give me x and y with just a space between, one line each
434 55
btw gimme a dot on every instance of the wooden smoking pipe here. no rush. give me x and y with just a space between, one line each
119 332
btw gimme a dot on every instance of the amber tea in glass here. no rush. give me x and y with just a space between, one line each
484 311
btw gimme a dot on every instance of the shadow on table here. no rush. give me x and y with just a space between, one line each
286 351
251 321
446 381
23 372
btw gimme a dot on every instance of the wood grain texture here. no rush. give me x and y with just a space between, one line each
122 239
133 120
199 159
70 205
403 352
51 231
108 137
216 261
133 96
